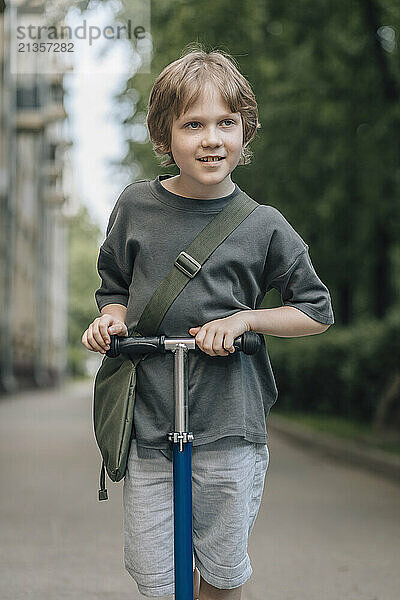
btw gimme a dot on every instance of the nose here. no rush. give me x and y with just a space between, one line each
211 138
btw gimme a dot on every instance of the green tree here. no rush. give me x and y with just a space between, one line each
326 76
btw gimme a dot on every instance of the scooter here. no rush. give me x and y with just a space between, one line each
181 438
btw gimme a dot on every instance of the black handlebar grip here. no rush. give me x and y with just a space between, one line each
248 343
137 345
114 346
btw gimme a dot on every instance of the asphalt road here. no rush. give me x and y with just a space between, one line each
325 530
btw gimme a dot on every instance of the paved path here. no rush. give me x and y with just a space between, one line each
325 531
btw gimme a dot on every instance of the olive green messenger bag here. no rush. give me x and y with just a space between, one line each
115 381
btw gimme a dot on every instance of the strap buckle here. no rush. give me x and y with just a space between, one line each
187 264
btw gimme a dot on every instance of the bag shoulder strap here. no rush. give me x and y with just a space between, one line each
189 262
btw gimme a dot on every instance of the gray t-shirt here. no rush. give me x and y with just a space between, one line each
228 395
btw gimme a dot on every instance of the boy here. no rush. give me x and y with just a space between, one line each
202 113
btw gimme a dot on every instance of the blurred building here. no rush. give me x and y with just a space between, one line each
33 218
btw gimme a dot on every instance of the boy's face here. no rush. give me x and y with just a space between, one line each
208 128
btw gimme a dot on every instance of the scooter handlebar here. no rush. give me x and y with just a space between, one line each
249 343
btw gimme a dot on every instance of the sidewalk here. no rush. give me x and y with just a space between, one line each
349 451
324 530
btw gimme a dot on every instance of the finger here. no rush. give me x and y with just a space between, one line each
194 330
94 338
98 335
208 342
85 342
218 344
228 343
103 329
200 338
118 328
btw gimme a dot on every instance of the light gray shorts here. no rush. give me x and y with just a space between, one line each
227 487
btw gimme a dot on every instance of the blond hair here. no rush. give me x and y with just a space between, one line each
180 84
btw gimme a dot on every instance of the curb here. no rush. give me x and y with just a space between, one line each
349 451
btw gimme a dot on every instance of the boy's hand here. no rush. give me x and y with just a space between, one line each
97 336
216 337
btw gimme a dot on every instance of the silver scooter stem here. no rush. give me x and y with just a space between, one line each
180 348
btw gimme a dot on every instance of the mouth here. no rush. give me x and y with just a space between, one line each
211 160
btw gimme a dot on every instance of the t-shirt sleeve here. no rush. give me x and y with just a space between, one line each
291 272
116 258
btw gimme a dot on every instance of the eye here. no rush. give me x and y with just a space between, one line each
228 121
191 123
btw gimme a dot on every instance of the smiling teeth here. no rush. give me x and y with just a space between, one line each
210 159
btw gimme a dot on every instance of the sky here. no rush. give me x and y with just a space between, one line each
94 119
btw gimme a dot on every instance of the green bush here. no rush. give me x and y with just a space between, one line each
343 371
84 241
